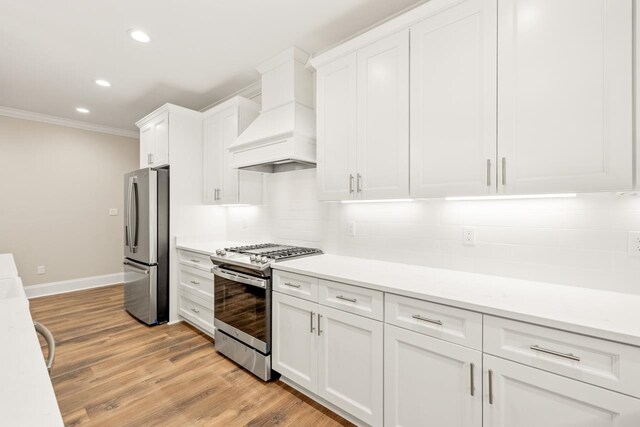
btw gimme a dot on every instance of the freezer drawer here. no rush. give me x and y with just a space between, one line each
141 291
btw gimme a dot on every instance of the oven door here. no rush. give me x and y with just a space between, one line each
243 307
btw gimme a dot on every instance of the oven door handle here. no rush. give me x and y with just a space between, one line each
226 274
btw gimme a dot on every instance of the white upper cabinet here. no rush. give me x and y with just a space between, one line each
565 95
453 100
154 141
383 119
518 395
336 129
223 184
363 122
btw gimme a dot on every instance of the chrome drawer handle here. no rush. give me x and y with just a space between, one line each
195 282
346 299
195 260
195 310
293 285
425 319
555 353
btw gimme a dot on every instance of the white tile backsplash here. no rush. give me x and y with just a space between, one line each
578 242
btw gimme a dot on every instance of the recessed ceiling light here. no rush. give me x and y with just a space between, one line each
83 110
102 83
139 36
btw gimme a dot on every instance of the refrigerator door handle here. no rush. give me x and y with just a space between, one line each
128 224
137 216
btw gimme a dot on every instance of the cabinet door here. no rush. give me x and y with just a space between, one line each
430 379
212 160
565 95
528 397
294 352
336 129
350 365
147 144
161 151
383 118
453 100
229 132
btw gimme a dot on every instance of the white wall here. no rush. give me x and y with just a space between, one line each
579 242
56 187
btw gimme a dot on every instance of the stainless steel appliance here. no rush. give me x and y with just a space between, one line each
242 307
146 245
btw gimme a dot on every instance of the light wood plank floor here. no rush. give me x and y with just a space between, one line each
111 370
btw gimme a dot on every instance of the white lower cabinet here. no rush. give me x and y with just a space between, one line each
350 363
331 353
294 344
522 396
430 381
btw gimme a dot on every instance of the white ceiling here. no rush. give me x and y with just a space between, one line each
201 50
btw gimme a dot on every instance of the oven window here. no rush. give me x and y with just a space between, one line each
241 306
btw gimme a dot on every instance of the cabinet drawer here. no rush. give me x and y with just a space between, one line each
603 363
197 281
354 299
305 287
194 259
441 321
197 311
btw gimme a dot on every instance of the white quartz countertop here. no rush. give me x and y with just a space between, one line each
610 315
205 247
27 397
7 266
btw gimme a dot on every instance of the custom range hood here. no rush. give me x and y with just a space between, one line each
283 137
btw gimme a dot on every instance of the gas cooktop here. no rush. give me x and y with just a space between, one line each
261 255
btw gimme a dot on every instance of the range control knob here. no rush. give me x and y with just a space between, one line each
253 258
223 252
265 260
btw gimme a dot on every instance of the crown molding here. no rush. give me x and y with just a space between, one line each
77 124
249 92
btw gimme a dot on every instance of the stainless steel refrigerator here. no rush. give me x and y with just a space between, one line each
146 245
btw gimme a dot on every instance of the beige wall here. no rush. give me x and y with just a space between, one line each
56 187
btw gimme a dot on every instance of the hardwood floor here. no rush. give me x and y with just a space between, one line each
111 370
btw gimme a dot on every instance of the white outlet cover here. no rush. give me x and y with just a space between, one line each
351 228
40 269
469 236
634 243
113 211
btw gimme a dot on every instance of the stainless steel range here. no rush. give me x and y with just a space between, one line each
242 315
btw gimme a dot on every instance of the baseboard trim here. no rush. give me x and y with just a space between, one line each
54 288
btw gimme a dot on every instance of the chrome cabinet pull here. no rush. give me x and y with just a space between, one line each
472 368
359 183
195 310
569 356
346 299
488 172
195 260
319 324
504 171
350 183
293 285
195 282
426 319
490 387
311 328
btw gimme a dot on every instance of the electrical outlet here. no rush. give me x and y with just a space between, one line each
351 228
468 236
634 243
41 269
113 211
